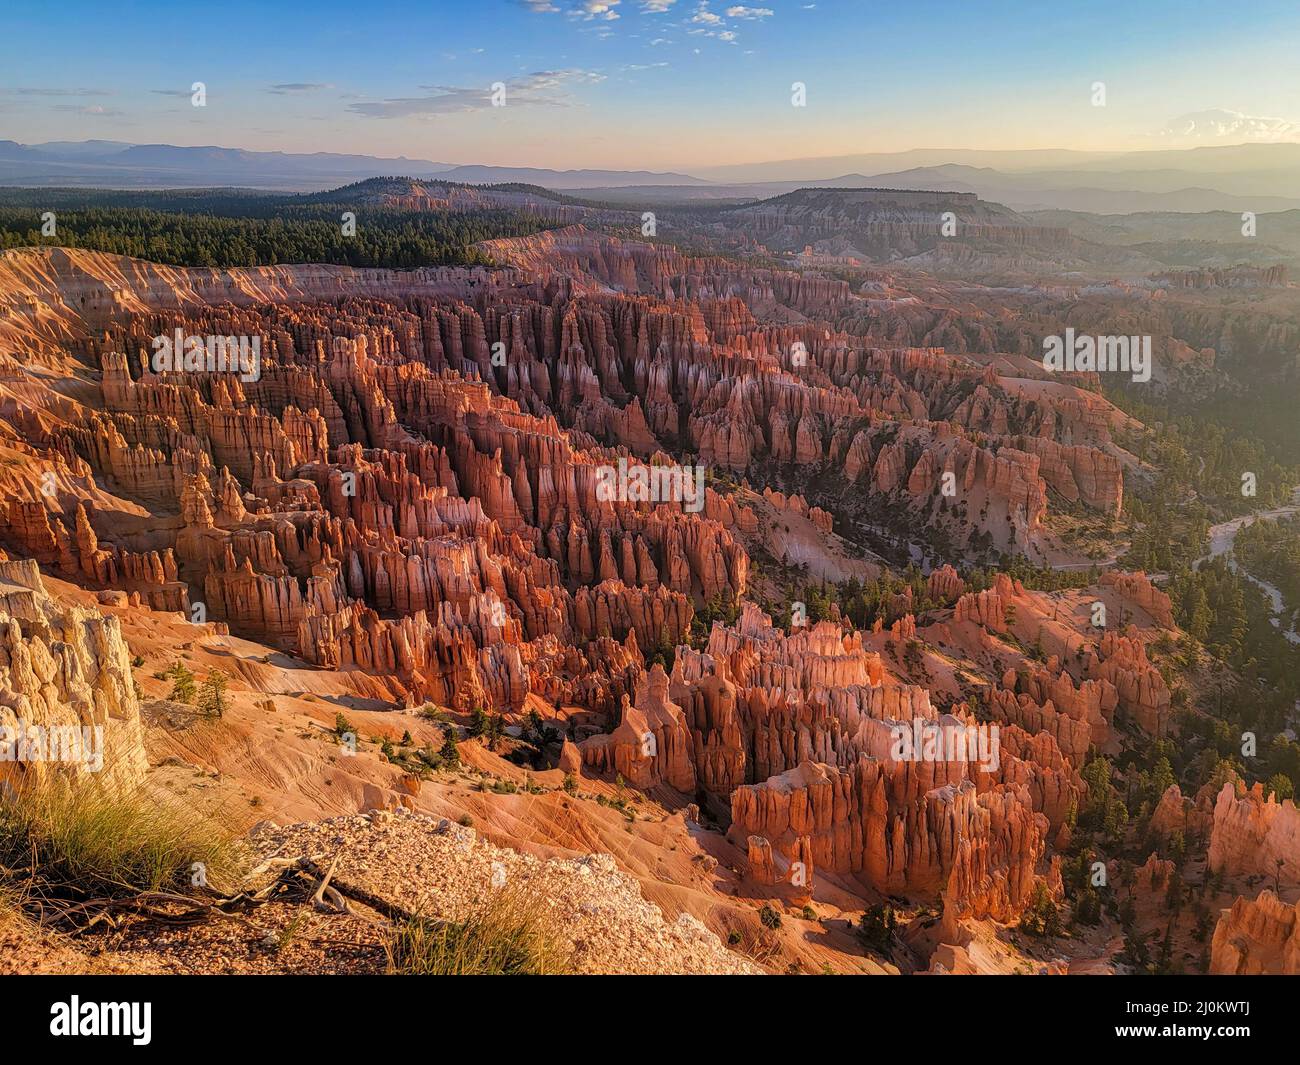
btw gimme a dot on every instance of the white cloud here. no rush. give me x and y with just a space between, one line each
289 88
586 10
595 9
543 88
93 110
1234 127
740 11
56 92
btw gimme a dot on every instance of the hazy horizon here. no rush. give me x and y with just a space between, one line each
666 85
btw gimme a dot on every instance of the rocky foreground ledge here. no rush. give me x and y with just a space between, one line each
443 870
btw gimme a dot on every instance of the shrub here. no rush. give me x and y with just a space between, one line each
1280 786
1087 908
876 926
101 842
1041 919
536 727
509 936
183 688
450 753
212 696
478 723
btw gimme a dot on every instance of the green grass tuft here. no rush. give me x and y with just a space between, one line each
93 841
509 936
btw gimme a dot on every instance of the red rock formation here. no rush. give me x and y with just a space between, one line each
1136 588
570 757
988 608
651 743
1172 812
1143 693
945 585
1257 938
388 496
978 850
1048 701
1252 835
1080 473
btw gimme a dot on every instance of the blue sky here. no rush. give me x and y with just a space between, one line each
656 84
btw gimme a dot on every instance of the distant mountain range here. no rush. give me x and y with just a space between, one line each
113 164
1246 177
1216 159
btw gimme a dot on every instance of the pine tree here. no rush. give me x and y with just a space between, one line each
478 723
449 753
875 929
1281 787
1201 617
183 688
212 695
1042 918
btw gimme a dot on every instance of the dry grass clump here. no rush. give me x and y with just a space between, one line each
509 935
89 840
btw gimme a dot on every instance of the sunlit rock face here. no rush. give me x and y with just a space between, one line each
412 486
